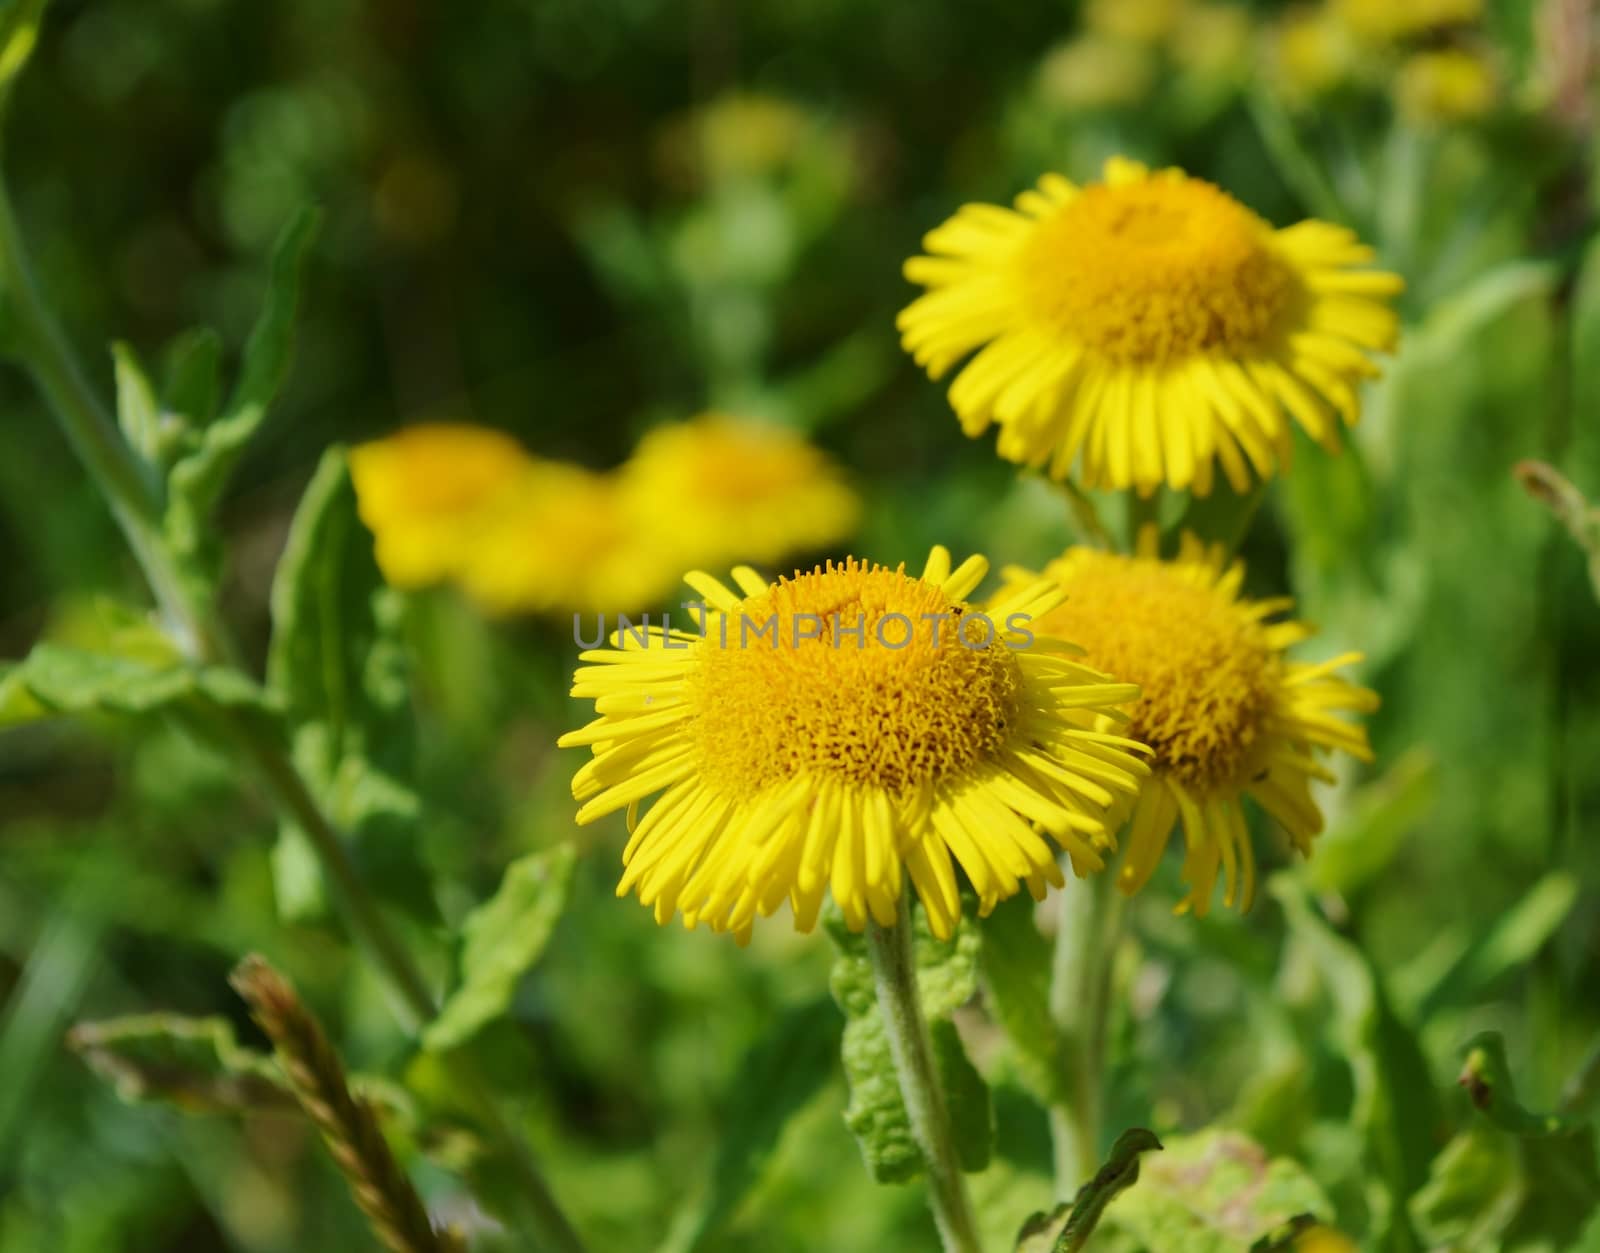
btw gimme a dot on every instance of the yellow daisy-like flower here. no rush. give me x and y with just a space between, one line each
723 490
1225 712
845 728
428 492
566 540
1146 327
1384 21
1443 86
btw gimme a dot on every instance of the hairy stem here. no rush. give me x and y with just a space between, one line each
894 974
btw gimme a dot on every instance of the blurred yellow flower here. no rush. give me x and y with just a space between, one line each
1311 53
1383 21
1323 1239
1447 85
845 728
737 135
1147 327
1096 72
1145 20
1226 713
428 492
721 490
1213 40
566 539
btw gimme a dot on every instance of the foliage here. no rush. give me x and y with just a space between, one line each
570 222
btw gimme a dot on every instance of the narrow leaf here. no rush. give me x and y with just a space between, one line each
504 937
197 480
1121 1170
192 383
137 412
196 1064
337 663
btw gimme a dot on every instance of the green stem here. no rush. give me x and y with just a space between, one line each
894 973
1080 1003
191 618
127 487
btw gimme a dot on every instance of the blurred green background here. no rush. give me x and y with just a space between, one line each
572 219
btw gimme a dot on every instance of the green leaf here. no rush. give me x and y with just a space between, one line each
59 679
1120 1171
1214 1192
1517 1179
197 479
1394 1103
19 32
780 1076
1487 1079
192 383
337 663
1516 936
1381 814
196 1064
503 938
1016 978
947 976
137 412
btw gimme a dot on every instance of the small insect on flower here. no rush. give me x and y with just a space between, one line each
1225 712
1147 328
844 728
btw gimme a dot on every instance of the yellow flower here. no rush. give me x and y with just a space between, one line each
1384 21
1147 327
1323 1239
845 728
1312 52
1225 712
1447 85
1096 72
565 540
1213 41
721 490
427 493
1144 20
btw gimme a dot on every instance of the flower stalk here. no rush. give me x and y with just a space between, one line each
894 975
1087 932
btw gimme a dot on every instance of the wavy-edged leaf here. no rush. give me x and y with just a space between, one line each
196 1064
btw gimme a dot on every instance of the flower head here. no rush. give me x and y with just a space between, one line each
1226 714
1384 21
565 539
845 728
1445 85
721 490
429 491
1146 327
